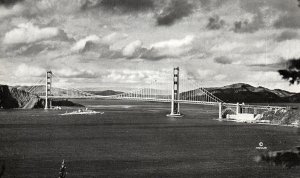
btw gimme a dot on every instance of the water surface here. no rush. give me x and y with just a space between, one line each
136 139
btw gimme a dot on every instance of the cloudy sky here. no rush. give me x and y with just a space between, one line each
130 43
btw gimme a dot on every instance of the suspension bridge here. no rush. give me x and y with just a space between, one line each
178 91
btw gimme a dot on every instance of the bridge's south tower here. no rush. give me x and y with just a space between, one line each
175 94
48 102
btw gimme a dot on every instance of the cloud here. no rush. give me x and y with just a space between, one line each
133 49
30 49
95 43
205 73
288 49
134 76
267 67
24 70
114 37
223 60
174 11
215 23
13 11
28 33
220 77
249 25
289 20
119 5
85 43
101 46
9 2
167 12
264 76
287 35
170 48
68 72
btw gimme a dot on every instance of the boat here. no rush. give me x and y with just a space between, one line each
85 111
56 108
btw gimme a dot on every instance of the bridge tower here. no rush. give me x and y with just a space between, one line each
175 94
48 102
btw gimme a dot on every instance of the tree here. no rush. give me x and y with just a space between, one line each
292 71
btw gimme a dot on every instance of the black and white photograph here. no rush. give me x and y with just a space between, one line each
149 88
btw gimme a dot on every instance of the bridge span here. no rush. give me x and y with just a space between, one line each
179 93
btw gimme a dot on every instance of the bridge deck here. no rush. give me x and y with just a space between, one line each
166 100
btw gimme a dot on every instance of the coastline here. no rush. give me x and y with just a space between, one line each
260 123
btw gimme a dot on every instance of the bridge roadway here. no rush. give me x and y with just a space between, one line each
116 97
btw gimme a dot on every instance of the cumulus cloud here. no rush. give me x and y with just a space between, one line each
119 5
68 72
30 49
101 46
97 44
9 2
287 35
133 49
114 37
165 49
85 43
28 33
264 76
205 73
24 70
288 49
288 20
174 11
13 11
135 76
215 23
167 12
269 66
168 49
223 60
249 25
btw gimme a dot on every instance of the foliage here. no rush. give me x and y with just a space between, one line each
282 117
292 71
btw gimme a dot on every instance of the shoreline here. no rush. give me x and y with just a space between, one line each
259 123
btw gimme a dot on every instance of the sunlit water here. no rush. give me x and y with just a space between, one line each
137 140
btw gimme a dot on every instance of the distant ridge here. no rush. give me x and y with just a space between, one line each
238 92
242 92
105 92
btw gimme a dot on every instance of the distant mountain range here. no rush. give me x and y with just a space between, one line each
105 92
241 92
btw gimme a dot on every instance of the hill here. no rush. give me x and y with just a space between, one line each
241 92
105 92
19 97
11 97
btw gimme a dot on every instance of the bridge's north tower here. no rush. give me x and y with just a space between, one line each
175 94
48 102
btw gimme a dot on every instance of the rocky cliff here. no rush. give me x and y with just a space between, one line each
11 97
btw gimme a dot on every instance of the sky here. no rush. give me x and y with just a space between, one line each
123 44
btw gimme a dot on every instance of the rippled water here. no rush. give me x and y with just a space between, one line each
137 140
